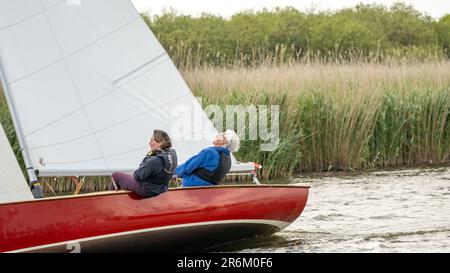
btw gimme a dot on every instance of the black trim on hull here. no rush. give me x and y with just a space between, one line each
181 239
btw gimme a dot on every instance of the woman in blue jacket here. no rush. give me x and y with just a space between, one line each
211 165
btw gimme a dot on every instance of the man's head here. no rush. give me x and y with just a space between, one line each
228 139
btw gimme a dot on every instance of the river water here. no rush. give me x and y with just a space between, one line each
385 211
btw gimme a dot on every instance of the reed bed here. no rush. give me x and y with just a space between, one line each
187 57
332 116
340 117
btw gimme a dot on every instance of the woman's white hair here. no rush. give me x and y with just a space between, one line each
233 141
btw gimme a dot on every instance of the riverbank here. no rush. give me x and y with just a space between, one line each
332 117
66 186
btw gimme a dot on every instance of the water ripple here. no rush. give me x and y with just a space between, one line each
385 211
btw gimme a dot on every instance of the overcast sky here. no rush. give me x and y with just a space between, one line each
435 8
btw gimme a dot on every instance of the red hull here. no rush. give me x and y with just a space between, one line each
123 222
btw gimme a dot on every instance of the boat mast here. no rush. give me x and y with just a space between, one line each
34 181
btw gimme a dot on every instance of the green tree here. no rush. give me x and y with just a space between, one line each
443 33
342 33
406 26
286 34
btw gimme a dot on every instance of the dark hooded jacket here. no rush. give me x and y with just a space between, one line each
156 170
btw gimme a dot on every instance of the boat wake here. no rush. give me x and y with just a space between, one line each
396 235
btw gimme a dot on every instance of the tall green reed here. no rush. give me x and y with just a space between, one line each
186 57
336 117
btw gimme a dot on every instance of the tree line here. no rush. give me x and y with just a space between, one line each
365 32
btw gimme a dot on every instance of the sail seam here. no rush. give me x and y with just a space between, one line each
89 103
140 67
103 37
64 57
31 16
96 158
74 85
107 156
108 127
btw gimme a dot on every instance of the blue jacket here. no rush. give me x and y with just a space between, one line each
208 158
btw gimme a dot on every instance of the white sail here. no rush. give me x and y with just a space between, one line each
90 82
13 187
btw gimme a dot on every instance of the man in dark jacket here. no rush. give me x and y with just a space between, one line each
155 171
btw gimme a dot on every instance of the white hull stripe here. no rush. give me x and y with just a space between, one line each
279 224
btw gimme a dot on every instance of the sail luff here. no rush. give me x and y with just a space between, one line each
37 192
